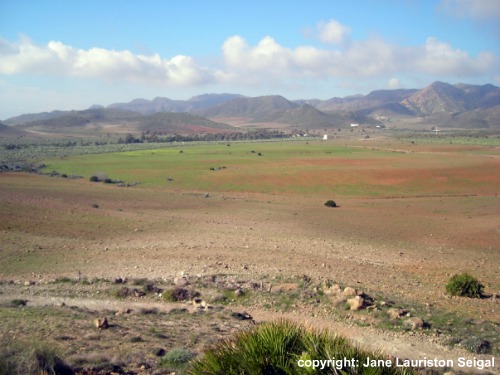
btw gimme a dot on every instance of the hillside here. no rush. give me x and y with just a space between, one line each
81 118
29 117
443 97
376 100
9 131
113 120
439 104
180 123
160 104
255 108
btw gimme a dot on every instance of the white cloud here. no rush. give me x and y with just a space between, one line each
267 63
56 58
361 59
393 84
440 58
333 32
475 9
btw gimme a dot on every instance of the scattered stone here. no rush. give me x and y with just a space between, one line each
101 323
181 281
414 323
349 292
356 303
395 313
334 289
159 352
139 293
242 315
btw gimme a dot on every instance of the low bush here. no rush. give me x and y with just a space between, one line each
464 285
177 358
279 347
179 294
330 203
31 358
477 345
18 302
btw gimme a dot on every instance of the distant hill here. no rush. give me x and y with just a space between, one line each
159 104
440 104
180 123
443 97
109 120
80 118
209 100
145 106
9 131
305 117
255 108
389 99
22 119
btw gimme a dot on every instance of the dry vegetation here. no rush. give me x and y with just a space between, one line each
259 226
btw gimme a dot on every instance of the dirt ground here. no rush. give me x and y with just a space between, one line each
403 249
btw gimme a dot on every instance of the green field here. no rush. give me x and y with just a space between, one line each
294 167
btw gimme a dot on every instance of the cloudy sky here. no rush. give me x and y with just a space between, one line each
70 54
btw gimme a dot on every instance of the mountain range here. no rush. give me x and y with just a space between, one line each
440 104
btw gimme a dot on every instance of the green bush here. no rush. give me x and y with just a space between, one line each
177 359
277 348
330 203
31 358
464 285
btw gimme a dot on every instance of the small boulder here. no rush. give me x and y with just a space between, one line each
349 292
414 323
242 315
332 290
356 303
181 281
396 313
101 323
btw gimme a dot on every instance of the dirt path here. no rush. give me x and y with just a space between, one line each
405 346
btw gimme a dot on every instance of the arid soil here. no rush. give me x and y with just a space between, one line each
395 248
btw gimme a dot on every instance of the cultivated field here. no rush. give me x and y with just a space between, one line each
251 216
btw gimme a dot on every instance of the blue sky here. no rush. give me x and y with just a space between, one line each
72 54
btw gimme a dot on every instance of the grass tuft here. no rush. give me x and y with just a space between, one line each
277 348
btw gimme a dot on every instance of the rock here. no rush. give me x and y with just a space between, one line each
101 323
242 315
181 281
29 283
334 289
349 292
414 323
396 313
239 292
139 293
355 303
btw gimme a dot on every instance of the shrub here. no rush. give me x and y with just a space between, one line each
32 358
176 358
94 179
179 294
330 203
277 347
477 345
18 302
464 285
